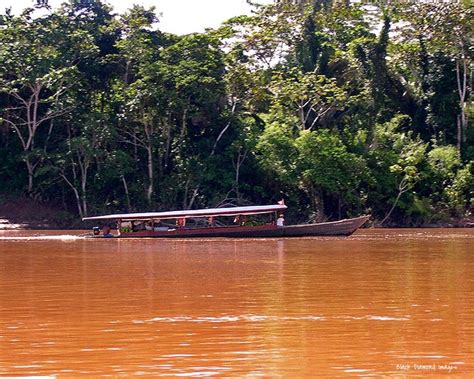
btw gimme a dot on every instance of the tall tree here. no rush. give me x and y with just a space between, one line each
447 28
139 49
39 59
192 71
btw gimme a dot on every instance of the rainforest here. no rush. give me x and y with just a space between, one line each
340 108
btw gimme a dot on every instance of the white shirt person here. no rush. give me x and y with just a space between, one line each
280 221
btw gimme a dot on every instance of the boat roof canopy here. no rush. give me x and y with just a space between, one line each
234 211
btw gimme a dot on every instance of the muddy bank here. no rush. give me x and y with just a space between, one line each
24 213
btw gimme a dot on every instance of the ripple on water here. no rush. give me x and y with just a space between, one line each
265 318
63 238
227 318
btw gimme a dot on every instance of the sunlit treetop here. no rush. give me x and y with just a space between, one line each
44 3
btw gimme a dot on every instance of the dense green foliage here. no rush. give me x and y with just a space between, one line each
340 109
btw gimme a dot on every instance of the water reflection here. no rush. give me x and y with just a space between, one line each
378 303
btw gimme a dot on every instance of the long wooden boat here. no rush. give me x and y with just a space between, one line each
215 223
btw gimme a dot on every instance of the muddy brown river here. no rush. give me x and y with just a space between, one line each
393 302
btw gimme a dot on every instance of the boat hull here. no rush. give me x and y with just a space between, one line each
335 228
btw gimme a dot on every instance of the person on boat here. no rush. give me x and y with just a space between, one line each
106 231
138 226
181 222
210 221
239 220
280 221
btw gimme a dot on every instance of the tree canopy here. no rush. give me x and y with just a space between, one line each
339 107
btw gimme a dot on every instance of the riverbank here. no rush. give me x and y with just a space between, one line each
25 213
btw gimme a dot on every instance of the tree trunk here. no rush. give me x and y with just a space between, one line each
30 117
402 188
31 172
392 208
459 133
84 194
127 194
76 195
461 79
193 197
241 157
150 189
302 117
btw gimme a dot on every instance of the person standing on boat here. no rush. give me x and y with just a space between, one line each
280 220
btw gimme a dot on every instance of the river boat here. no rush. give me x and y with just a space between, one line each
234 222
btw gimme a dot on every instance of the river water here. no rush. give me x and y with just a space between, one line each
381 302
